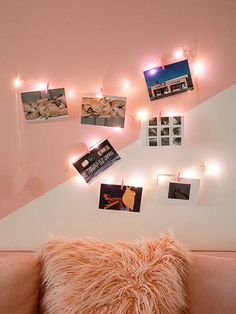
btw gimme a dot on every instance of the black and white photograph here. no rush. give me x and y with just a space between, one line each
171 79
177 141
176 131
153 121
99 158
153 141
163 131
179 190
45 105
105 111
176 120
122 198
152 131
165 120
165 141
173 190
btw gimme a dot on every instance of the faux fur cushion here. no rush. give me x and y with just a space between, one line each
90 276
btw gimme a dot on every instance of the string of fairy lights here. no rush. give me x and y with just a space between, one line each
197 68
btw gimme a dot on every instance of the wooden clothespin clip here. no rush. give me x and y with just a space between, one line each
162 64
178 176
100 95
47 88
87 149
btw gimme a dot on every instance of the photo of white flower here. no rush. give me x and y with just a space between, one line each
105 111
44 105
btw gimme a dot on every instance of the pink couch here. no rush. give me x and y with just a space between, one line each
211 288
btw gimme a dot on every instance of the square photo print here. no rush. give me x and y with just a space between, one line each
105 111
99 158
44 105
179 191
184 191
168 80
123 198
163 131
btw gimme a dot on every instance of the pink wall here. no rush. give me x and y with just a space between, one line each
85 45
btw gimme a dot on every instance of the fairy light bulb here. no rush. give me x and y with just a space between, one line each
79 179
41 86
137 180
198 68
153 71
109 180
142 115
213 168
17 82
179 54
71 93
126 84
72 159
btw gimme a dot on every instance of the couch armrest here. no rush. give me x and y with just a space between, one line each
212 284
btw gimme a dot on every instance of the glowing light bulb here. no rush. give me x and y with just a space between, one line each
109 180
99 95
150 67
163 178
73 159
179 54
213 169
126 84
198 68
153 71
136 181
41 86
190 174
71 93
17 82
79 179
93 143
142 115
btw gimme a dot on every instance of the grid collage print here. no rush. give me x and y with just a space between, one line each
165 131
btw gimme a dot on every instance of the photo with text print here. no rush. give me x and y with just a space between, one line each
99 158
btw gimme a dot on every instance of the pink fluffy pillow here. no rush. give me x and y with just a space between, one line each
91 276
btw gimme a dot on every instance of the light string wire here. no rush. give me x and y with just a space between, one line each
19 142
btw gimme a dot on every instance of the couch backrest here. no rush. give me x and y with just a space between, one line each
211 284
19 282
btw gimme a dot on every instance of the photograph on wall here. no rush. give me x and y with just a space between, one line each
99 158
44 105
179 191
173 191
117 197
171 79
163 131
105 111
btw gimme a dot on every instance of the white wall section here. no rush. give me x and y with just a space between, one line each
71 209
